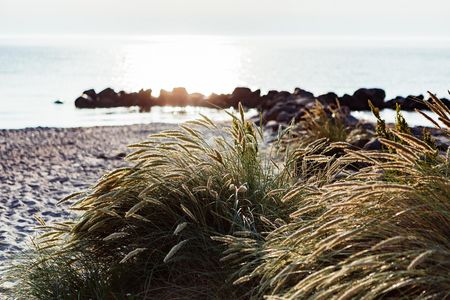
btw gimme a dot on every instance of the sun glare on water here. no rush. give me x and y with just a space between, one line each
199 65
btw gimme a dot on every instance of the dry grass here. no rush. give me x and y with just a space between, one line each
329 122
381 232
198 219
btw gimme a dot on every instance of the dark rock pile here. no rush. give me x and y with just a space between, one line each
280 106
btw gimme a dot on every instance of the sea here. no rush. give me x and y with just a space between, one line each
36 71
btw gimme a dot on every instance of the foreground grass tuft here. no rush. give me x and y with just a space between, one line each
232 218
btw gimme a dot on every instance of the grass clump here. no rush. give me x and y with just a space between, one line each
366 235
148 227
201 219
330 122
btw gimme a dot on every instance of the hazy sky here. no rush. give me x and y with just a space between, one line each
227 17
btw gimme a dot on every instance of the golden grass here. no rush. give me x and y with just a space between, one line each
221 219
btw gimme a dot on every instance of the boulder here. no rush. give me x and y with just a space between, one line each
266 101
409 103
302 93
82 102
244 95
196 99
391 103
362 96
328 98
351 121
281 111
90 94
373 144
217 101
360 142
108 92
303 102
446 102
346 100
143 99
273 125
368 126
300 113
285 117
241 93
108 98
179 96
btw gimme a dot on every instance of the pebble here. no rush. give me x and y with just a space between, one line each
40 166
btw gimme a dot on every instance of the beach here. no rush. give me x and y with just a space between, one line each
224 150
40 166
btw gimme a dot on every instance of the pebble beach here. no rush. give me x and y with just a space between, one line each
40 166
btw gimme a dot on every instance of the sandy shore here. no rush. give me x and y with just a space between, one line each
40 166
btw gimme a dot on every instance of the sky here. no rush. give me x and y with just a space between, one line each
405 18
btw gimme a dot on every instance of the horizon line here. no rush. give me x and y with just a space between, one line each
272 36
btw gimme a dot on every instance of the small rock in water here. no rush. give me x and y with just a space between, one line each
58 102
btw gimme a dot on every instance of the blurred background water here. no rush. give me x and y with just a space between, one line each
36 71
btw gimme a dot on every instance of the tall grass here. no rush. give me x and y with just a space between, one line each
225 218
148 228
328 121
381 232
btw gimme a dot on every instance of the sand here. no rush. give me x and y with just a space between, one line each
40 166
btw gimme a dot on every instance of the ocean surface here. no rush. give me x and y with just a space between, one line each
36 71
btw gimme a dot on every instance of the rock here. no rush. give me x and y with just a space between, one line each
244 95
101 156
446 102
58 102
178 97
391 103
90 94
108 92
108 98
368 126
328 98
285 117
82 102
217 101
346 100
373 144
442 142
302 93
351 121
272 98
143 99
273 125
417 131
361 97
196 99
60 179
286 109
409 103
300 114
303 102
120 155
360 143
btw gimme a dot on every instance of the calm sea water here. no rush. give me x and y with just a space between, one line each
36 71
